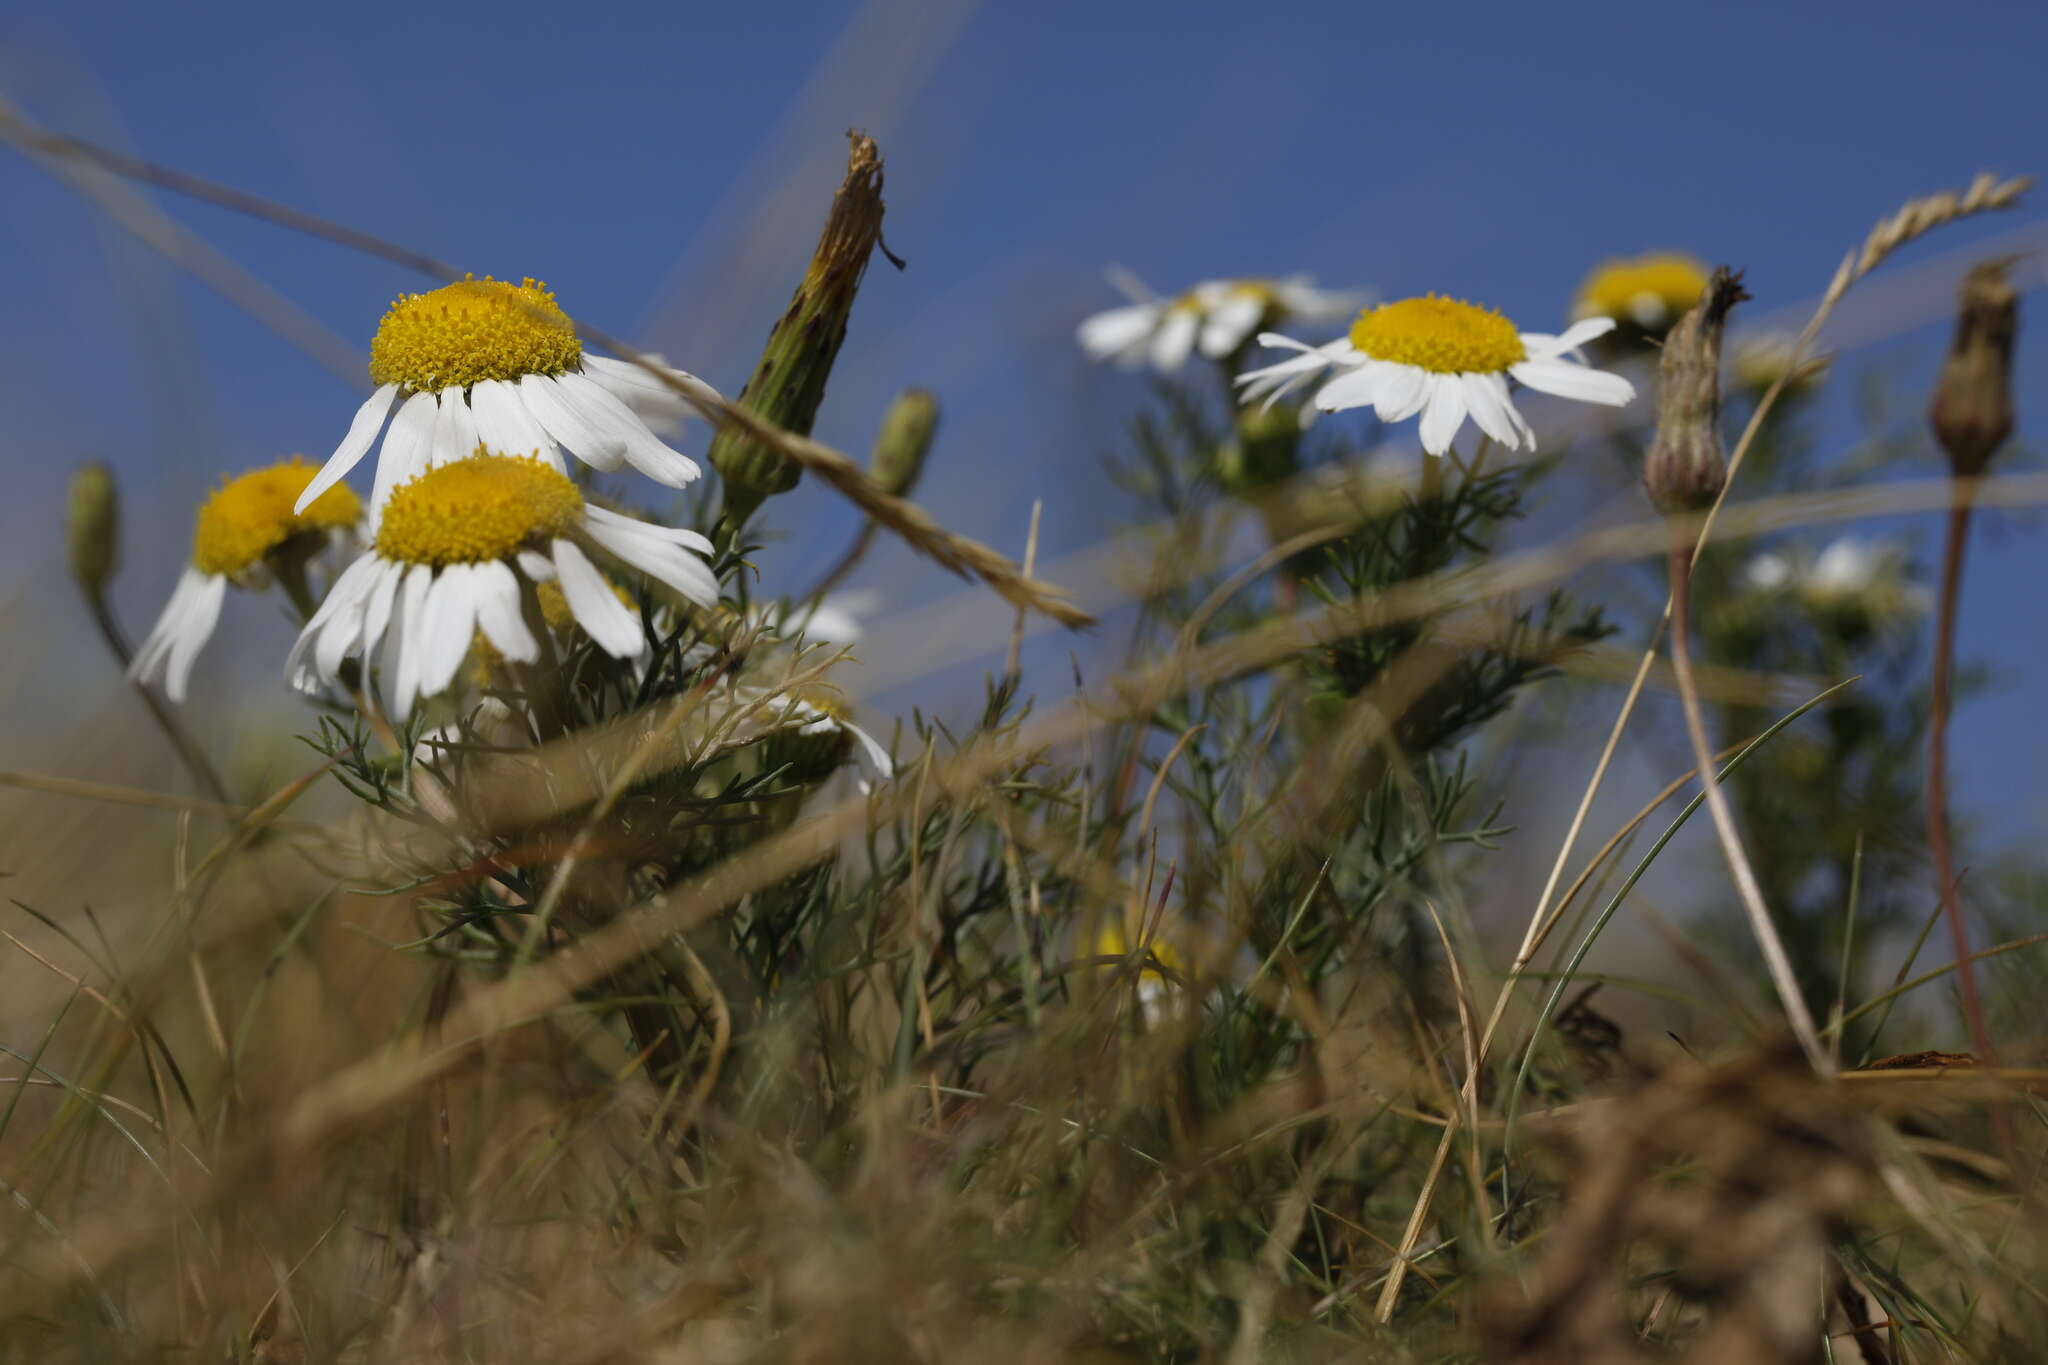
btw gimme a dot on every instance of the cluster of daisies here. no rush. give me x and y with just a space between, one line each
475 541
1440 360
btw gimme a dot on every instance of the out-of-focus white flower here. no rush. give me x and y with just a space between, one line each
1853 581
1215 317
1767 572
241 526
836 618
1872 577
1443 360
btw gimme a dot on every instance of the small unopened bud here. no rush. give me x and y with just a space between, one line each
1972 411
1264 451
1685 469
92 526
903 441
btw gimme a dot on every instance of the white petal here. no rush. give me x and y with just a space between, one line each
340 618
1567 380
550 405
195 628
1174 340
454 431
653 401
1403 390
406 448
678 534
170 625
296 674
1443 412
362 434
498 612
408 638
878 757
644 450
377 609
1230 322
1352 389
1490 409
504 426
536 566
603 617
1119 331
1543 346
450 627
660 559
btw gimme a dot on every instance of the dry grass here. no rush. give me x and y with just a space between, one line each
650 1043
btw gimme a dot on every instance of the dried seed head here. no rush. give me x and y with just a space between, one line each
92 526
1972 410
1685 468
901 444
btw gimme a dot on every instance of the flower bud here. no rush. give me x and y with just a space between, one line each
1264 450
901 444
1685 469
788 381
1972 410
92 526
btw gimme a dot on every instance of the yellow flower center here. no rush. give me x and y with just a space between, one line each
1667 280
1448 336
473 330
248 517
1201 301
482 508
1112 941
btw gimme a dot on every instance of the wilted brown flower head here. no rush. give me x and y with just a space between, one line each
1685 468
1972 410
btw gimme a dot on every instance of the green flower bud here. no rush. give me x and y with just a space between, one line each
1263 450
903 441
1972 410
92 526
788 383
1686 468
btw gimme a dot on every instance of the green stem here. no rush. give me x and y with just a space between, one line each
189 752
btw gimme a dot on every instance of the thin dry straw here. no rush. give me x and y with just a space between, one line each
962 555
361 1090
1913 220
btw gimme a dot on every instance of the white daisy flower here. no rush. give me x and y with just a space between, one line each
487 362
458 550
1215 317
825 732
245 527
1445 360
1855 574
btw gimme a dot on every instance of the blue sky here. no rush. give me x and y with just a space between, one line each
663 166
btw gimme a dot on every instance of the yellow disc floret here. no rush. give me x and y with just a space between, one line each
1648 290
485 507
248 517
470 331
1448 336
